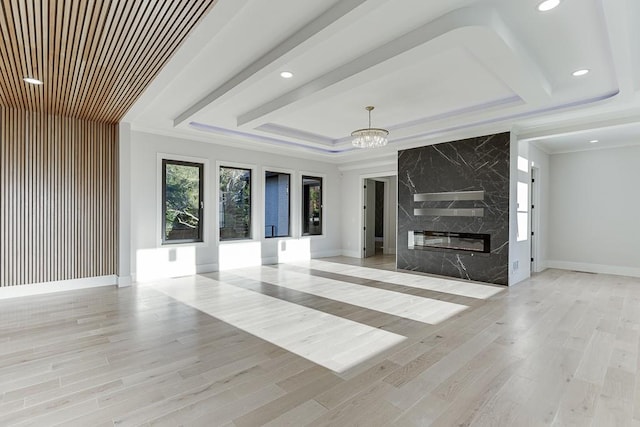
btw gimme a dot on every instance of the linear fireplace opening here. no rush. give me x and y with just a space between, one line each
448 240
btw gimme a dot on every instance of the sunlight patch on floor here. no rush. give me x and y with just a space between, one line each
421 309
330 341
454 287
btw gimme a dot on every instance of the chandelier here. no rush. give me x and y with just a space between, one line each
369 137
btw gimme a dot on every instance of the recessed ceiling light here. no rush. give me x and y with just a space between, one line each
579 73
33 81
548 5
593 141
286 74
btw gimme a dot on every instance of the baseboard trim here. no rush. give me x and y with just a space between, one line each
206 268
594 268
325 254
542 266
351 254
124 281
57 286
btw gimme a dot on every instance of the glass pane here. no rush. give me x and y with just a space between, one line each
523 226
235 203
523 197
182 201
311 205
475 242
523 164
276 204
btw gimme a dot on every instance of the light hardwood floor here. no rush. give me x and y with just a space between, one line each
331 342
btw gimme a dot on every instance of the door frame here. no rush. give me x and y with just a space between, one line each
363 178
534 218
368 230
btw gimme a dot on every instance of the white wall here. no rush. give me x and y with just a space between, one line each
594 212
392 218
151 260
352 202
124 209
519 251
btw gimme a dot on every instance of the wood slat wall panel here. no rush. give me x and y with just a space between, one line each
58 198
96 57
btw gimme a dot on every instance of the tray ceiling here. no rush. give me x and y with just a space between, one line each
434 70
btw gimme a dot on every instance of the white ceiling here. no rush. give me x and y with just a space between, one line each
434 70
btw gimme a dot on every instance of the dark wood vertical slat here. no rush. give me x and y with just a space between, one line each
111 40
154 54
58 218
58 174
118 77
96 57
3 191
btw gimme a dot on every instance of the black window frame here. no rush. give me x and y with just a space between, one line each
200 167
250 224
304 206
288 204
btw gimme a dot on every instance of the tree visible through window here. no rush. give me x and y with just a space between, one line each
182 202
311 205
235 203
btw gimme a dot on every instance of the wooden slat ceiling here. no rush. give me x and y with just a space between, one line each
95 57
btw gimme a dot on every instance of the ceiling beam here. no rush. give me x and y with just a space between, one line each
212 24
340 15
460 27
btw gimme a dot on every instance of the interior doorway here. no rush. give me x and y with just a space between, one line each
379 215
369 217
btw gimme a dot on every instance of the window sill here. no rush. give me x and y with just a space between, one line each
234 241
182 244
314 236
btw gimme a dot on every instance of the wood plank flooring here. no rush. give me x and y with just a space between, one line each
275 346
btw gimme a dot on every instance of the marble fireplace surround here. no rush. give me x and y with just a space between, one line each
456 187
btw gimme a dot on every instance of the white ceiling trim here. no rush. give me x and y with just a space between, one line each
472 114
510 69
391 163
420 125
595 123
229 139
288 132
209 28
475 26
506 120
588 148
342 14
283 143
617 21
497 124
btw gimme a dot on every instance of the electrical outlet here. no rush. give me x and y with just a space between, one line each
515 265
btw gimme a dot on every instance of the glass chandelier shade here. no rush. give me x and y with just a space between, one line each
369 137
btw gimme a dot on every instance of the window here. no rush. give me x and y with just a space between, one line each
235 203
276 204
311 206
182 201
523 210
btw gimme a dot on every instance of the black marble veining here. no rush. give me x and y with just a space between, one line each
473 164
